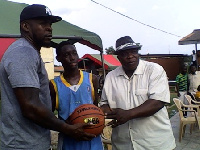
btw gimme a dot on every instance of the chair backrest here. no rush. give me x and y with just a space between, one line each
193 96
178 104
189 99
107 132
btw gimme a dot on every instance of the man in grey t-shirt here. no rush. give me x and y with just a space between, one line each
26 105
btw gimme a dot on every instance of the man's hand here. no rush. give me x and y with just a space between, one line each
78 133
119 116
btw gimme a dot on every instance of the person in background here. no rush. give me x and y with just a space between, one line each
194 58
193 79
134 96
70 90
101 82
182 85
26 110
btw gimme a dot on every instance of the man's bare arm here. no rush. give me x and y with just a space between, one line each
32 108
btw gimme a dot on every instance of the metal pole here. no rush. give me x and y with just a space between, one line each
102 60
54 37
196 56
84 65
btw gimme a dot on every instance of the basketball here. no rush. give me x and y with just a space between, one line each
89 113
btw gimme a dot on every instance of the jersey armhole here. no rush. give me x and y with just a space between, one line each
56 90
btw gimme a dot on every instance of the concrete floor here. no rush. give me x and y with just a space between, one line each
189 141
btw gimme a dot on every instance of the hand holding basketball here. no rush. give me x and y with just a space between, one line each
78 133
89 114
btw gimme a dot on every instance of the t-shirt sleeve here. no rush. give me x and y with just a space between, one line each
22 68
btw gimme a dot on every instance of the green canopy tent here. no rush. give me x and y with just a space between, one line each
9 27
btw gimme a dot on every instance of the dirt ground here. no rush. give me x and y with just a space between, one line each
54 140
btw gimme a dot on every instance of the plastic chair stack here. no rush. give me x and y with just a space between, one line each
191 101
192 120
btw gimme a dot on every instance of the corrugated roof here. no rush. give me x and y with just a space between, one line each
110 61
192 38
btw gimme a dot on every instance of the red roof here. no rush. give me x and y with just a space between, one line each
4 44
110 61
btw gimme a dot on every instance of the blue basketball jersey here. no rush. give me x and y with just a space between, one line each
68 98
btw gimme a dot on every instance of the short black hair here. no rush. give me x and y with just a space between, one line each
198 88
60 45
192 66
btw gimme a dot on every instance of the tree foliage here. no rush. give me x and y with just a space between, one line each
110 50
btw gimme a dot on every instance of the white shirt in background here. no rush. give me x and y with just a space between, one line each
194 80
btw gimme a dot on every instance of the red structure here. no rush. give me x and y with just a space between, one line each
4 44
170 62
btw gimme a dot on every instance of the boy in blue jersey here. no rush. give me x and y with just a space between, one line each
70 90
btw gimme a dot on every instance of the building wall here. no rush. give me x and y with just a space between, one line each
48 58
170 64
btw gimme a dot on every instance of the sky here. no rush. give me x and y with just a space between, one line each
177 17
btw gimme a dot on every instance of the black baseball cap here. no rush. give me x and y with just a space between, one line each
38 11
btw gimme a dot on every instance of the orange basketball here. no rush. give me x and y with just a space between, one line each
89 113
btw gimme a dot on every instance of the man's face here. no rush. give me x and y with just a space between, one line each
40 32
68 57
129 59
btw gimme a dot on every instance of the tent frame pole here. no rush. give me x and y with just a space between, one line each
196 57
53 37
102 60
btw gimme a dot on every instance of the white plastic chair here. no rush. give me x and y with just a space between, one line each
191 101
188 120
106 135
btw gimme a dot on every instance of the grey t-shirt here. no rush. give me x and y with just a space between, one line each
22 66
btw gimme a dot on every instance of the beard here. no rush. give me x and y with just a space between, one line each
46 44
42 42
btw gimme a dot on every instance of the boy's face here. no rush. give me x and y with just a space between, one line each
68 56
